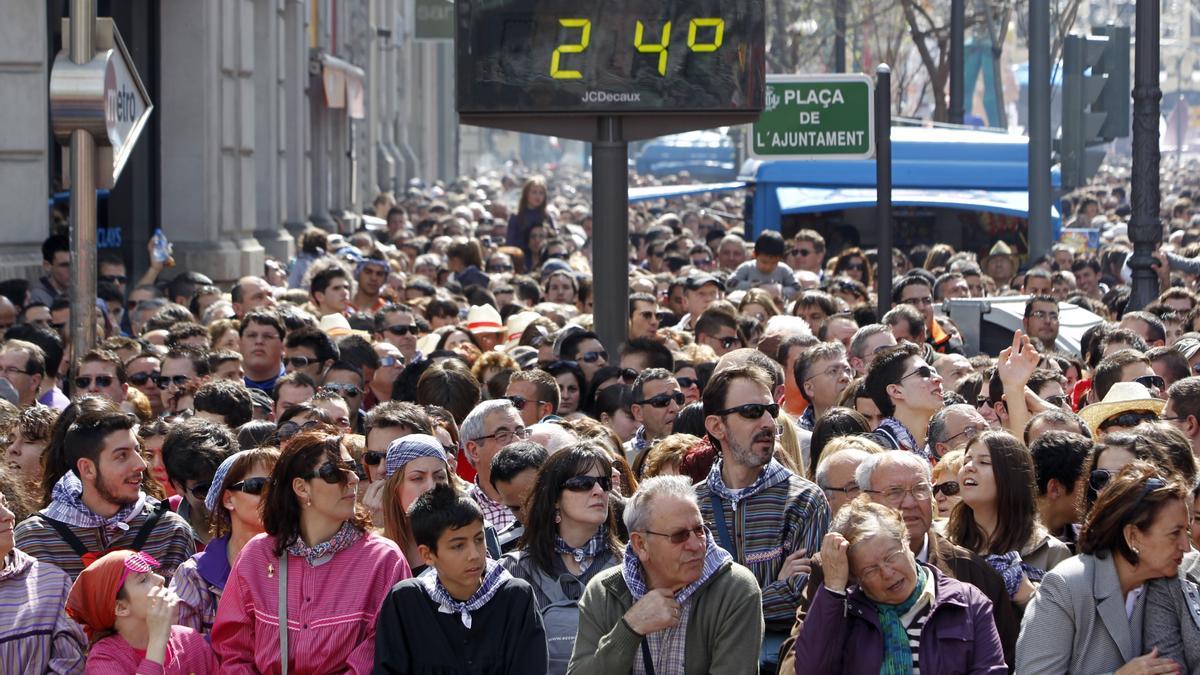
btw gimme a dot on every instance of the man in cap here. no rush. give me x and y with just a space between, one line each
700 292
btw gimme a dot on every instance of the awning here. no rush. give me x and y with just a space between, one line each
343 85
815 200
640 194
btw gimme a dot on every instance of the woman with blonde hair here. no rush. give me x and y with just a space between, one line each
531 213
223 334
758 304
945 482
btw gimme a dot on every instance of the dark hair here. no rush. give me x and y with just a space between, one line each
87 434
183 330
1108 372
321 280
1185 397
886 370
305 452
1012 469
294 378
398 414
541 505
821 351
262 317
357 350
439 509
834 423
569 348
255 434
610 400
1172 360
515 458
450 385
1060 455
1127 499
35 358
657 353
1172 442
690 420
544 383
220 522
230 400
197 357
105 356
56 462
646 376
322 345
54 244
195 448
717 390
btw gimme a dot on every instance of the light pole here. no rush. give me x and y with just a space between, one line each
1145 229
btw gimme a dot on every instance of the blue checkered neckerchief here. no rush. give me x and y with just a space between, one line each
808 419
631 570
772 474
902 436
66 506
640 444
584 555
494 576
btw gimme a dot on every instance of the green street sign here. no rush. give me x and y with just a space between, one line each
433 20
816 116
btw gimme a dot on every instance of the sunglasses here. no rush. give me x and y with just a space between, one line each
647 315
140 379
252 486
164 381
83 381
800 251
500 268
298 362
347 389
290 428
401 330
389 361
201 491
336 472
751 411
519 402
1058 401
854 267
677 538
702 262
1099 478
586 483
948 488
374 457
1151 382
663 400
112 278
924 372
1128 419
592 357
687 382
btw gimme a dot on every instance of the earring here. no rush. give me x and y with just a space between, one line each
1135 551
557 516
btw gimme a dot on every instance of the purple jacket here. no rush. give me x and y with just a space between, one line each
843 635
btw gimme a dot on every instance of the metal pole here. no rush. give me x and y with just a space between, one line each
610 233
883 184
1039 128
957 47
1145 229
83 197
839 36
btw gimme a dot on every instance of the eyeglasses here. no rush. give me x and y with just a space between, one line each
923 371
298 362
164 381
921 492
400 330
592 357
200 491
751 411
834 372
290 428
336 472
389 361
700 532
1128 419
851 490
373 457
948 488
969 431
891 561
800 252
506 436
499 268
1040 315
349 390
252 486
663 400
519 402
13 370
686 382
112 278
1151 382
140 379
102 381
1057 400
647 315
1099 478
586 483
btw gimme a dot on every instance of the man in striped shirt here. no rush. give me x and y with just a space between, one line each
768 518
98 506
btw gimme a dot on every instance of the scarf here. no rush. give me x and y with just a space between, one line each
584 555
16 563
1010 567
639 442
894 431
66 506
808 419
343 539
631 570
897 655
494 577
772 474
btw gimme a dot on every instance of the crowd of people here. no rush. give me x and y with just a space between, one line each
407 450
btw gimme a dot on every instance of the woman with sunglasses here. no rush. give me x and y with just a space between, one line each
414 464
234 506
945 483
570 536
997 517
688 379
297 418
1090 613
853 263
1115 453
317 538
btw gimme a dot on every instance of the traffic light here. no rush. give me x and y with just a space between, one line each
1115 101
1083 82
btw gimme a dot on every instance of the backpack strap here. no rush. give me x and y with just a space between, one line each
148 527
726 541
64 531
283 614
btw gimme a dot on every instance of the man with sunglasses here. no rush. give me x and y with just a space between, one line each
142 370
916 290
822 373
768 518
807 252
181 369
101 372
191 453
534 393
907 392
397 324
490 426
718 328
643 316
584 348
309 351
655 401
346 379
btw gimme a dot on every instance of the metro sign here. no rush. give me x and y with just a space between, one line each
126 104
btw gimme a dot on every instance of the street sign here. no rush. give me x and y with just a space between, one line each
433 20
816 116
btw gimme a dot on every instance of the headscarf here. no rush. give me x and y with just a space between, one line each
218 482
92 600
407 448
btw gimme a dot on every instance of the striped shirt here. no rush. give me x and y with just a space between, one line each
199 582
187 653
767 527
171 542
36 635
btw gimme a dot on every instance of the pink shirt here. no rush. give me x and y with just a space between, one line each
331 608
187 653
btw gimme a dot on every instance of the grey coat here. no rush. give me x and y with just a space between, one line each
1076 622
1173 615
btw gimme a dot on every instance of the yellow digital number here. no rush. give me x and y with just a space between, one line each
718 24
660 48
556 72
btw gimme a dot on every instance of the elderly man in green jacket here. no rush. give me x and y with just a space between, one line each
678 604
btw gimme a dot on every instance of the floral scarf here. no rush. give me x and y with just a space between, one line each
494 577
343 539
586 554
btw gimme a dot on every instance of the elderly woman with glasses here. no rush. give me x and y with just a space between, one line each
317 538
570 537
1089 614
881 611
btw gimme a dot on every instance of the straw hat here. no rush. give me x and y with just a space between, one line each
484 319
1122 397
336 325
